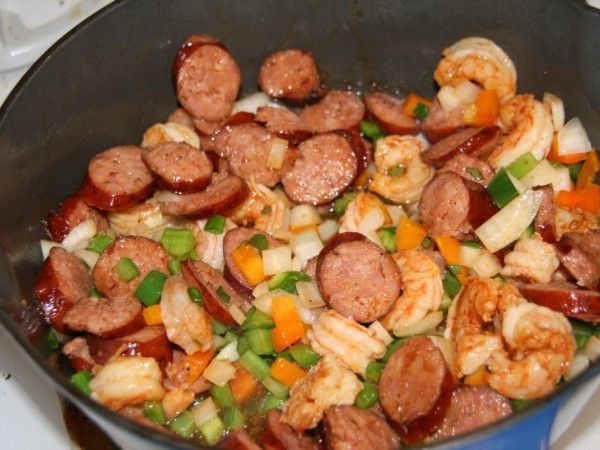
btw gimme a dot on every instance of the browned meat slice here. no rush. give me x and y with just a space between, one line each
470 141
481 205
326 165
358 147
289 74
225 192
107 318
357 278
283 122
545 219
311 267
206 127
117 179
238 440
217 292
580 254
71 212
78 352
280 436
566 298
146 254
207 78
178 166
470 168
387 112
439 123
63 280
181 117
338 110
350 428
472 407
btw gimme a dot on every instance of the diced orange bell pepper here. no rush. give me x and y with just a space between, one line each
247 258
409 234
486 110
152 315
288 325
564 159
462 275
587 198
243 385
196 363
477 378
286 372
302 228
590 168
412 101
449 248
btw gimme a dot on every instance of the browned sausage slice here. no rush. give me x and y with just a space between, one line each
146 254
225 192
178 166
238 440
63 280
326 165
117 179
290 74
470 168
338 110
545 219
472 407
206 127
566 298
78 352
389 115
439 123
358 147
207 79
280 436
71 212
350 428
470 141
580 254
105 317
283 122
357 278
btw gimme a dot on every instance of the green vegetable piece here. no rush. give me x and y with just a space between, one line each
81 380
341 203
446 302
242 346
52 340
371 130
178 241
285 355
223 295
373 372
99 243
275 387
471 244
574 170
154 411
522 165
475 173
230 337
271 402
222 395
421 111
304 355
196 295
254 364
212 430
556 165
287 281
233 418
219 328
581 340
149 290
392 348
260 341
502 189
126 269
255 318
267 210
96 293
455 269
215 224
183 425
426 242
520 404
528 232
396 171
500 278
174 266
387 236
259 241
451 284
368 396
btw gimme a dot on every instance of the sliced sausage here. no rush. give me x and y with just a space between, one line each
289 74
63 280
210 282
415 388
470 168
283 122
472 407
178 166
580 254
117 179
206 127
357 278
389 115
225 192
470 141
545 219
107 318
440 123
146 254
207 78
280 436
358 147
350 428
338 110
566 298
238 440
326 165
71 212
481 205
78 352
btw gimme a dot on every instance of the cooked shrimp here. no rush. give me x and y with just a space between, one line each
400 153
480 60
533 259
175 401
266 209
177 375
541 351
575 220
209 246
530 128
354 345
365 214
145 219
127 381
170 132
187 324
422 289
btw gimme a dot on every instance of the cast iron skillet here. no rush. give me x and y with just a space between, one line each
108 80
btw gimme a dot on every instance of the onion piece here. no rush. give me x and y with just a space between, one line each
229 352
237 314
557 109
309 294
170 132
260 288
510 222
277 153
304 216
572 138
395 212
219 372
486 265
263 303
545 173
468 255
592 348
218 341
467 92
90 258
306 245
277 260
381 333
328 229
251 103
46 245
448 98
204 412
79 236
578 365
446 346
428 323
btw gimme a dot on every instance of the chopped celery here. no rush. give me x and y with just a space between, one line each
178 241
304 355
233 418
212 430
196 295
341 203
183 425
455 268
154 411
126 269
271 402
99 243
287 281
174 266
286 355
254 364
387 236
275 387
502 189
371 130
522 165
81 380
149 290
260 341
257 319
242 346
215 224
373 372
230 337
222 395
219 328
368 396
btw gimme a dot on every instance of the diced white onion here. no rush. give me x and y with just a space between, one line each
204 412
277 153
237 314
428 323
446 346
578 365
486 265
219 372
304 216
309 294
572 138
328 229
545 173
260 288
251 103
557 109
46 245
592 348
467 92
448 98
229 352
520 187
306 245
80 236
170 132
381 333
395 212
510 222
218 341
277 260
468 255
90 258
282 234
164 196
307 315
296 264
263 302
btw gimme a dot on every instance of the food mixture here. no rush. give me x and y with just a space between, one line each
309 268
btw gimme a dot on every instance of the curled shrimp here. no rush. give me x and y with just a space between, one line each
170 132
365 214
533 259
422 289
187 324
145 219
266 209
403 154
573 219
480 60
209 246
530 129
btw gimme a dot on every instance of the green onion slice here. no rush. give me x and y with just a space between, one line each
475 173
522 165
126 269
99 243
215 224
178 241
421 111
223 295
149 290
341 203
81 380
196 295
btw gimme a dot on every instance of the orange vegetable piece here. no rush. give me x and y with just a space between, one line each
591 166
449 248
587 198
288 325
196 363
462 275
485 111
286 372
243 385
411 102
247 258
302 228
409 234
152 315
477 378
564 159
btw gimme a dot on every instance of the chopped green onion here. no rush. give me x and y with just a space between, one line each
502 189
267 210
149 290
528 232
396 171
126 269
81 380
451 284
191 255
254 364
371 130
373 372
242 346
421 111
519 404
471 244
99 243
446 302
257 319
522 165
500 278
275 387
287 281
387 236
367 397
196 295
233 418
392 348
52 340
426 242
96 293
259 241
215 224
454 268
304 355
574 170
154 411
222 395
475 173
581 340
177 241
212 430
271 402
260 341
219 328
174 266
341 203
183 425
223 295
